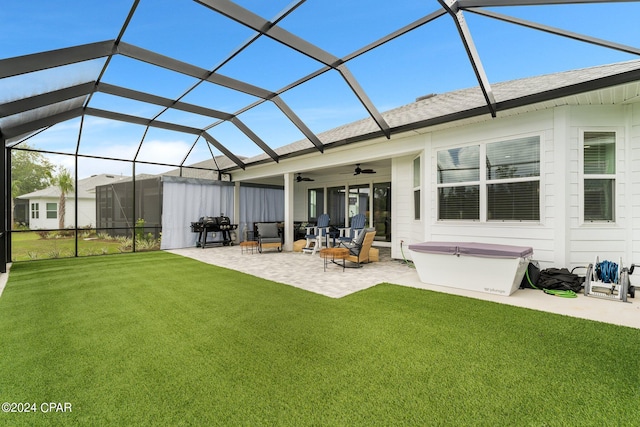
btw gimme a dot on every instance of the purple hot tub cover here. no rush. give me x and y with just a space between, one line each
489 250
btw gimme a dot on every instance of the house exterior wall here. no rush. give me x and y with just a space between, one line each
633 119
607 240
86 217
560 238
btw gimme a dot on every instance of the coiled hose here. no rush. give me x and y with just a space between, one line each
555 292
607 271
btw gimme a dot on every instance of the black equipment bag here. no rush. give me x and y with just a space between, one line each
559 279
531 276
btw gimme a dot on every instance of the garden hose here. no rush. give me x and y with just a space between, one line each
406 261
607 271
561 293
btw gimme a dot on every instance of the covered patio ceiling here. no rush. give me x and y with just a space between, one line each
275 70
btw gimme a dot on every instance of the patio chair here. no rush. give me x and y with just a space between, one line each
316 234
268 236
359 248
348 234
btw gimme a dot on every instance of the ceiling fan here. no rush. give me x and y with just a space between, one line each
359 170
300 178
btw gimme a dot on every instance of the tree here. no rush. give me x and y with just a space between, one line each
30 171
64 182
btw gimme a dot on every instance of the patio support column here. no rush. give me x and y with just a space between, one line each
288 211
236 211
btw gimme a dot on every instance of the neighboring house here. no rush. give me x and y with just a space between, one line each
168 203
42 205
557 169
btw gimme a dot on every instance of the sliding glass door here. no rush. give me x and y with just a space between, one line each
342 205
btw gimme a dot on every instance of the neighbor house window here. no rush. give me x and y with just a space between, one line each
504 186
599 175
416 188
35 210
52 210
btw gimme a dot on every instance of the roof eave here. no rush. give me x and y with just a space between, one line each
564 91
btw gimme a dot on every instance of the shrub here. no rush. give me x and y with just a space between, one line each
126 244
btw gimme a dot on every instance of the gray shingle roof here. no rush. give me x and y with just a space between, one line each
86 187
465 103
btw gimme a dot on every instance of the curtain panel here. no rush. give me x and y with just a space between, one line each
187 200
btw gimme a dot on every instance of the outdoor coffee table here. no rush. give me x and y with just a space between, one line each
332 254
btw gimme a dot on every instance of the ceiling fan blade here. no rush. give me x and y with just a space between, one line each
359 170
300 178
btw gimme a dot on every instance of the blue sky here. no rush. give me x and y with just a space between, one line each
431 59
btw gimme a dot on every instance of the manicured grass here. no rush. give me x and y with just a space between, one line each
157 339
29 246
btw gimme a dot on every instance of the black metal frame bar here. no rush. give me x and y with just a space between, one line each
51 59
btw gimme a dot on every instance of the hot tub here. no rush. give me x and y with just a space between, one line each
482 267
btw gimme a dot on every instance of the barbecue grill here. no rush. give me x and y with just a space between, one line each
214 224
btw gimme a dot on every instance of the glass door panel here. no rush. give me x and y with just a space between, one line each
382 211
335 205
359 201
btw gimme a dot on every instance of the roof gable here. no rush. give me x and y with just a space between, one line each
85 188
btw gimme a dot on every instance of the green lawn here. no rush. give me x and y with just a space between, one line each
157 339
30 246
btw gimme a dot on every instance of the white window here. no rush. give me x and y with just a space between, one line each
504 186
52 210
35 210
416 188
316 203
459 183
599 176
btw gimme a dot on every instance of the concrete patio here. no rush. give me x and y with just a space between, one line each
306 271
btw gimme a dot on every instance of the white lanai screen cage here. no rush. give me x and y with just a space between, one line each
202 88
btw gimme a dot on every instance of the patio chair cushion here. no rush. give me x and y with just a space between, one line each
356 245
270 240
268 230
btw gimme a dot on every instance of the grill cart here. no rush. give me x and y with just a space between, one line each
214 225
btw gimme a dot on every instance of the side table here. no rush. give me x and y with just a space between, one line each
332 254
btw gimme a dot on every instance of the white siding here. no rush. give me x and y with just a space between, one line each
87 217
404 227
633 124
559 239
608 241
539 235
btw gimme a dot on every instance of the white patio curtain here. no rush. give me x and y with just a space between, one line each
186 200
259 204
